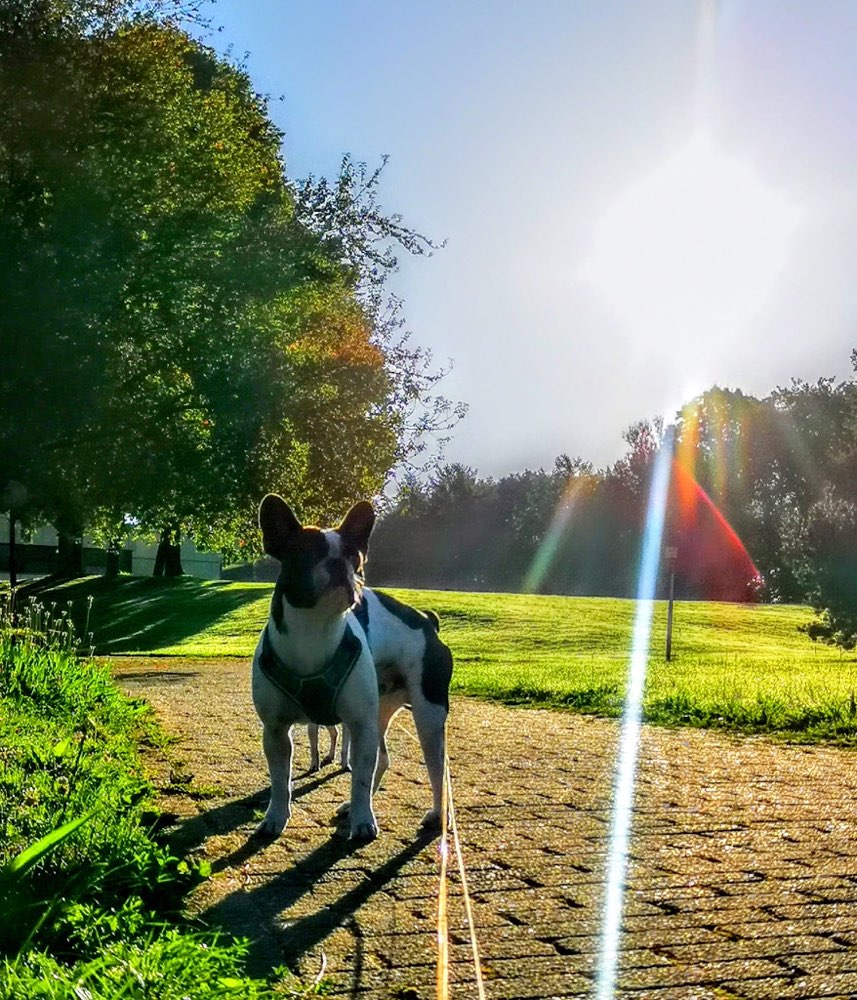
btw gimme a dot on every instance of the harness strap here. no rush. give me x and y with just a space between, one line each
315 694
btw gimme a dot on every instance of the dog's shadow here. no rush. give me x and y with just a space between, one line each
279 894
254 911
192 832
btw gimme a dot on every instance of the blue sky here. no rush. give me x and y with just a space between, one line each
514 127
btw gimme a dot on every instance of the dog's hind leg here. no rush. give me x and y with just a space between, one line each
312 732
333 733
430 722
345 747
277 743
390 704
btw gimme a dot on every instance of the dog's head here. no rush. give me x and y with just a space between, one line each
318 568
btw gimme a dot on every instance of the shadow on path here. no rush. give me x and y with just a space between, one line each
277 895
149 677
194 830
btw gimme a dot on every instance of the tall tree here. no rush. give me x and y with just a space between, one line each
183 339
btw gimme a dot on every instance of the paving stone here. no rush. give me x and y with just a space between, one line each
741 885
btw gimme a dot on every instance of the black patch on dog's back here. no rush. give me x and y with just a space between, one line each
437 659
404 612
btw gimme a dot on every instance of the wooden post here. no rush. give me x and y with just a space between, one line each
671 552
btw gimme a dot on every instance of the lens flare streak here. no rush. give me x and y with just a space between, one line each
626 767
547 551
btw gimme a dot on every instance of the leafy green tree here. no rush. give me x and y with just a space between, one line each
830 549
824 542
183 339
132 158
354 230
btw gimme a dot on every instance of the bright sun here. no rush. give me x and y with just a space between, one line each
694 249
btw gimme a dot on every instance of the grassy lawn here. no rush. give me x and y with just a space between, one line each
734 666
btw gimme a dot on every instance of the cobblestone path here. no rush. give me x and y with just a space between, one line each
742 884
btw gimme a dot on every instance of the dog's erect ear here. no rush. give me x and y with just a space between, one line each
278 524
357 525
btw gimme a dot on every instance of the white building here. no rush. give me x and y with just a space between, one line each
205 565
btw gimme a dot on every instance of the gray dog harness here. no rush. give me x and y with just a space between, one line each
315 694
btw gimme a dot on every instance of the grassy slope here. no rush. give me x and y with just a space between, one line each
738 666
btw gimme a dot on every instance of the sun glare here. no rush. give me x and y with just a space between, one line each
695 248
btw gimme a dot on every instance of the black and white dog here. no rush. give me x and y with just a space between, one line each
336 651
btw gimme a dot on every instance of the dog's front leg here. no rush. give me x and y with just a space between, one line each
277 743
364 759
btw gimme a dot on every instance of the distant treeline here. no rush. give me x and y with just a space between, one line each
753 483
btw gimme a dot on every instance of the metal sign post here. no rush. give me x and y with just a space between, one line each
671 553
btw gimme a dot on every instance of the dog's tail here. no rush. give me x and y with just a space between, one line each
433 618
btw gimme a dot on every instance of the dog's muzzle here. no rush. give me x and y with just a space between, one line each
339 576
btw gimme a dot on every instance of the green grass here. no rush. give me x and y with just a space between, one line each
90 900
744 667
183 616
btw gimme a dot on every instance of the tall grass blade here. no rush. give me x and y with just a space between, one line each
31 856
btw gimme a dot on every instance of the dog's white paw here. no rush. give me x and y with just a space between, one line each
366 829
272 825
431 820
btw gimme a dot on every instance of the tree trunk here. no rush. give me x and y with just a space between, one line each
174 561
69 555
161 554
168 560
112 567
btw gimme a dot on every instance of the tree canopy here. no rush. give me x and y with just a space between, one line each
185 328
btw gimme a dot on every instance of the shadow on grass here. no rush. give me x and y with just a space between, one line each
140 614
